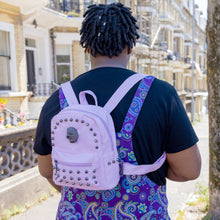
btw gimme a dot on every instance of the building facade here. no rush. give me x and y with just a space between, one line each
40 45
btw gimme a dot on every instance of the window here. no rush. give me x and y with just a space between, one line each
5 79
63 61
174 80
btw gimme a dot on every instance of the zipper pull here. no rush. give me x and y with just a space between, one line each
56 167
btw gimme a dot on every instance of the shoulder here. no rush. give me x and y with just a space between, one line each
51 106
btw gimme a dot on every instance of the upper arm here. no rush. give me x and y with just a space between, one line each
186 163
45 165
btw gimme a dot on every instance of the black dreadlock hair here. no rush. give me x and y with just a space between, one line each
108 29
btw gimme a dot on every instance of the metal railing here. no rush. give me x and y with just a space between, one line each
16 150
43 89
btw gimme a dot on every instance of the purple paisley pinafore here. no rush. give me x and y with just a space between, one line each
136 197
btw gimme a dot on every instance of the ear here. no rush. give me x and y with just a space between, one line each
88 50
130 50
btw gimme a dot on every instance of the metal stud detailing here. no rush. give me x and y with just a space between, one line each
86 171
78 172
77 120
71 119
52 138
70 171
94 171
65 119
67 182
109 163
82 121
94 134
55 127
57 123
86 179
91 129
96 141
96 147
73 183
88 184
61 120
87 124
71 178
94 177
96 182
64 170
80 184
79 178
113 161
64 177
52 132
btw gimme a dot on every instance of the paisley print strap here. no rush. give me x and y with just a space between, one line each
136 105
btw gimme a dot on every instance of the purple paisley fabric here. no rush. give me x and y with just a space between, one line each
136 197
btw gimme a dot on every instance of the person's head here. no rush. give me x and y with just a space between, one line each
108 29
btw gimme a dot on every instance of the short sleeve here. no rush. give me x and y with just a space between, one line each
181 134
42 144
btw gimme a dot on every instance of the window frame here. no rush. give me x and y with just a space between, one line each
7 27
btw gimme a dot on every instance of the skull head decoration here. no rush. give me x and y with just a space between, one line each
72 134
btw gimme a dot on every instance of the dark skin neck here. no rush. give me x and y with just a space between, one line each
120 61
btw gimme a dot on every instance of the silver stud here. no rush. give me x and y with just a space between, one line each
91 129
61 120
94 134
53 144
58 175
73 183
61 181
55 127
86 171
52 132
82 121
66 119
87 124
96 147
96 141
71 178
79 178
78 172
52 138
80 184
86 179
94 171
117 159
57 123
88 184
64 177
76 120
70 171
94 177
99 34
96 182
67 182
109 163
71 119
64 170
113 161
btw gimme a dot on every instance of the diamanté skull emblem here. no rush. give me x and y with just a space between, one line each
72 134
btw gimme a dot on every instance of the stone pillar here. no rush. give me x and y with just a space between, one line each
78 59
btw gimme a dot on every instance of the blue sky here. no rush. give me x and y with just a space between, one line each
203 6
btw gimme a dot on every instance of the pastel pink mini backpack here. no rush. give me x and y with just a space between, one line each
84 152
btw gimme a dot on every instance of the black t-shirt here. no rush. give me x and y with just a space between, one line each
162 125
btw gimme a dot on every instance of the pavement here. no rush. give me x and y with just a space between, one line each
178 193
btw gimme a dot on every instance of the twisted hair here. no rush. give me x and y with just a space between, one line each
108 29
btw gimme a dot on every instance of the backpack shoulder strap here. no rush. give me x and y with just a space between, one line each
122 90
69 93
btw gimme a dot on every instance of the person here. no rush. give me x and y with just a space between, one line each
108 34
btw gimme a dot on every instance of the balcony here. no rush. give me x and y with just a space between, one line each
69 7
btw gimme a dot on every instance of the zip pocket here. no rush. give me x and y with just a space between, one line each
79 175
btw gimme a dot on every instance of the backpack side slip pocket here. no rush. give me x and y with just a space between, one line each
83 137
